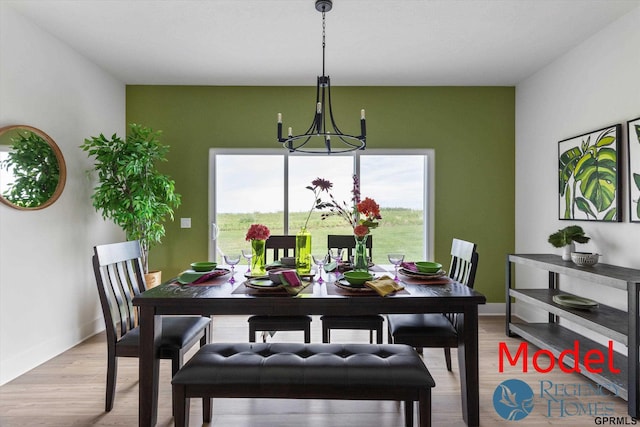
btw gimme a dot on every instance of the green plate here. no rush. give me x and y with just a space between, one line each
574 301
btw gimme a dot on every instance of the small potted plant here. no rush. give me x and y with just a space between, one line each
566 238
131 191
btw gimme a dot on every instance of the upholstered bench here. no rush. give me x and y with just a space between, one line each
304 371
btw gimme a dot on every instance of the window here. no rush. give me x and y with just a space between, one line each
269 187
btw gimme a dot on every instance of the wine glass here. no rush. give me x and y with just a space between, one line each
320 261
248 254
232 260
336 255
396 260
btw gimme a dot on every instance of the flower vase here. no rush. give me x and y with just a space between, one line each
258 258
566 251
360 261
303 251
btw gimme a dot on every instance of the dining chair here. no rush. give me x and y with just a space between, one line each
279 246
437 330
119 277
367 323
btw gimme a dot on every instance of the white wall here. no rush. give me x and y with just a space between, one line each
48 297
593 86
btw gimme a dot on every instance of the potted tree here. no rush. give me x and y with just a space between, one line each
565 239
131 191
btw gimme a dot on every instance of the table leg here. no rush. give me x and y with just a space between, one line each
149 367
468 366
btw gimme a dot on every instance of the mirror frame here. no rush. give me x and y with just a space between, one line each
63 167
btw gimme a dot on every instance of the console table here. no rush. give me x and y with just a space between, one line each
617 325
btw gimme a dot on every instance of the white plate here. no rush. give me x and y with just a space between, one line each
349 287
262 284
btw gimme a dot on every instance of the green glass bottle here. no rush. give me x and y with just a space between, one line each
303 251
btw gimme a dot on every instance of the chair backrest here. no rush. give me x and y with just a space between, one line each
347 241
277 243
119 276
464 262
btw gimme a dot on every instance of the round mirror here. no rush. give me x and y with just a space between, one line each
32 169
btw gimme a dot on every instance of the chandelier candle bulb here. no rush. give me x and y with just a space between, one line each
319 108
280 117
290 132
362 114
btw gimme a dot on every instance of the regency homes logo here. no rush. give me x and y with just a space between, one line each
515 399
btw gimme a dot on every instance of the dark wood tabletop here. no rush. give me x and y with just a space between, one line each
220 296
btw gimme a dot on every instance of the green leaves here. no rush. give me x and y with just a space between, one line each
35 170
131 191
563 237
591 169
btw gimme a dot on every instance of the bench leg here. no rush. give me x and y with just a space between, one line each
424 408
408 413
206 409
180 406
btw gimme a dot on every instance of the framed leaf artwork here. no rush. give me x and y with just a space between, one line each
633 139
588 176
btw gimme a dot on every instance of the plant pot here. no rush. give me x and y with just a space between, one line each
153 278
566 251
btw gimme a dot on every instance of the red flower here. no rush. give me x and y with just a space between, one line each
361 230
258 232
369 208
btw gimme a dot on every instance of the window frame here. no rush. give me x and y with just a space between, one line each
428 174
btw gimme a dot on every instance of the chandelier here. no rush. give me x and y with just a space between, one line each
323 136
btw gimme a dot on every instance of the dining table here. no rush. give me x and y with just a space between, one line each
233 294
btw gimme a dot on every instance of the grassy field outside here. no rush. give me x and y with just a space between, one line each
400 231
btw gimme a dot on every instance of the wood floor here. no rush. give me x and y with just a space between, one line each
68 391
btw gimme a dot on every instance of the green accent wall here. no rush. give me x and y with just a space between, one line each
471 129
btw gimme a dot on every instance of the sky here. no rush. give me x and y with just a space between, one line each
256 181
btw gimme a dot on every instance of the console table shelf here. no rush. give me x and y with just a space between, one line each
555 338
617 325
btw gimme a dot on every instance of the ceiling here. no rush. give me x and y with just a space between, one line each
278 42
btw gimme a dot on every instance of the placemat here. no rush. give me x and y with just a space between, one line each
415 281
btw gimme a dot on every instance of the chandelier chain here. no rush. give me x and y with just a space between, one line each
323 40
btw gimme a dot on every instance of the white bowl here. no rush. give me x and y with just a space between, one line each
584 259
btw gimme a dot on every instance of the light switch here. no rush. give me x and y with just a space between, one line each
185 222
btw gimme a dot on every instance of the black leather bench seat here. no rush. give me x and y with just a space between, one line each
311 371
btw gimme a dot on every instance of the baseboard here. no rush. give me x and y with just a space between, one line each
492 309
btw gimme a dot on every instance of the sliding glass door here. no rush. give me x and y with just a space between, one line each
270 188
